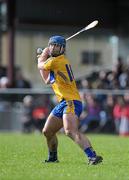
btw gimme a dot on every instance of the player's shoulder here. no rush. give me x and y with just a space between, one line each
57 59
64 58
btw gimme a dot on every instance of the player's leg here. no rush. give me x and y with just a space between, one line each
51 127
70 122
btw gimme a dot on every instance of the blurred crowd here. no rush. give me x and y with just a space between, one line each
108 115
115 78
35 112
19 81
106 112
34 108
29 114
103 113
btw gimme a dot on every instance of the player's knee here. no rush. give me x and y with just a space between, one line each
45 132
68 133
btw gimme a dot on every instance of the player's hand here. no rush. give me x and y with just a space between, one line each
44 56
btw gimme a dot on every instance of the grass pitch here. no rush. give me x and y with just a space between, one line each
21 158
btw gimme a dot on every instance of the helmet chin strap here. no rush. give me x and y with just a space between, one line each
62 50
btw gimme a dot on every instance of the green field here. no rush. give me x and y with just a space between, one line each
21 158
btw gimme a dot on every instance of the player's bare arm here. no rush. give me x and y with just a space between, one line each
41 59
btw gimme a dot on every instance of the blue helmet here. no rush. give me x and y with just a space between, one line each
57 40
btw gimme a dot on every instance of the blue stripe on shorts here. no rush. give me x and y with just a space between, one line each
64 107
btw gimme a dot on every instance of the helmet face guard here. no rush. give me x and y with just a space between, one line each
57 41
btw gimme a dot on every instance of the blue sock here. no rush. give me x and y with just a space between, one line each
90 152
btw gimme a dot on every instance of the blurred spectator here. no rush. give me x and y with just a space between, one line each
119 67
27 119
4 82
83 126
106 115
124 124
21 81
83 98
102 82
123 80
5 103
39 115
2 71
86 84
41 110
92 119
117 112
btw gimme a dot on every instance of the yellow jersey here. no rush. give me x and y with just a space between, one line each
62 78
